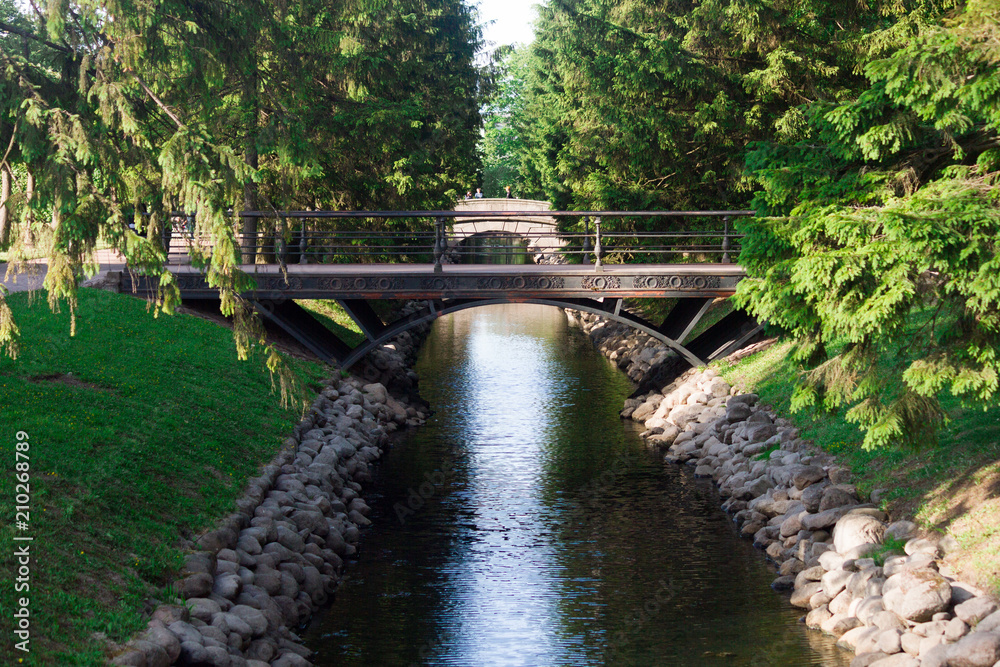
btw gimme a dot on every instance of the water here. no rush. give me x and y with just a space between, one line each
526 524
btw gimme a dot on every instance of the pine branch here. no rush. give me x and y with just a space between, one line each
14 30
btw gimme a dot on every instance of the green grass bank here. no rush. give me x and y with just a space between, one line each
952 486
142 432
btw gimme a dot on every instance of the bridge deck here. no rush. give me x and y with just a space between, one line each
512 282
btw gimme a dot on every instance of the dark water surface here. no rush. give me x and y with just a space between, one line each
526 524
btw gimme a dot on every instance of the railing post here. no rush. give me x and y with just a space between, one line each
248 240
281 249
303 244
586 239
438 244
725 240
597 244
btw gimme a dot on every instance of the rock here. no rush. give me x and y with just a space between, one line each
922 545
867 659
666 437
249 544
889 641
155 655
831 560
901 530
898 660
737 412
807 475
979 649
227 586
910 642
217 656
989 624
203 609
130 658
377 392
835 581
197 585
801 595
839 475
261 649
841 604
291 660
836 496
974 610
818 616
192 653
854 636
955 630
838 624
868 607
791 566
171 613
812 496
791 526
290 540
269 580
917 595
165 639
935 656
358 518
238 625
887 620
761 432
853 530
824 519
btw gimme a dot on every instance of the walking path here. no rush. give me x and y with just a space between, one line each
109 259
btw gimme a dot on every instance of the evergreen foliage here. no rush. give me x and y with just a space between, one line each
865 132
122 111
888 212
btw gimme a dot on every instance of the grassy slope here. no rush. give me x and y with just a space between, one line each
142 430
333 317
953 486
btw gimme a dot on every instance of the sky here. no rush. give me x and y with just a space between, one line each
512 20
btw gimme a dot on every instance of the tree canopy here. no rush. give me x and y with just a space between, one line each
121 111
865 134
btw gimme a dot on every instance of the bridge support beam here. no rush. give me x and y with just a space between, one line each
364 316
303 327
683 317
725 336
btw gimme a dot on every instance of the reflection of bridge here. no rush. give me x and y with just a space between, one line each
598 288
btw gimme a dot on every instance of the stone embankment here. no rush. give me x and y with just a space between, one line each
879 586
260 574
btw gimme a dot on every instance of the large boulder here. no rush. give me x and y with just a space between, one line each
854 530
980 649
917 595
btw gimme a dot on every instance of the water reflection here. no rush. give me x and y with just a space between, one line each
525 524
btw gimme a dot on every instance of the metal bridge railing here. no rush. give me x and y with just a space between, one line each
305 237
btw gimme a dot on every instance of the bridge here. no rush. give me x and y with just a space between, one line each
533 229
593 270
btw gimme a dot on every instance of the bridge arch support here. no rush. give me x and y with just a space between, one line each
701 350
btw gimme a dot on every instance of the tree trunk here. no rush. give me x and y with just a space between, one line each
249 232
5 177
249 239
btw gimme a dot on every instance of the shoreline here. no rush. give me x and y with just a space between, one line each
879 586
262 571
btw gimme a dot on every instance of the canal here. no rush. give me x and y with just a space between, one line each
526 524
